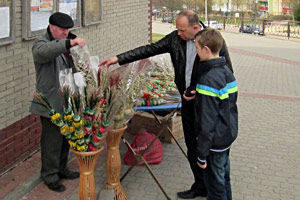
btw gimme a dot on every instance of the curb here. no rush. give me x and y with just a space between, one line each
27 186
24 188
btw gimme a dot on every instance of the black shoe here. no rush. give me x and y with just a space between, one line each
68 175
191 194
56 186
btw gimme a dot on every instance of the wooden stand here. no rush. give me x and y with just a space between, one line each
113 163
87 162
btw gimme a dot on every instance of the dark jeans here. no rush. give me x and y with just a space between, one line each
187 115
217 176
54 151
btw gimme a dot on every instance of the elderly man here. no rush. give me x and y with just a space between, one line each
51 54
181 46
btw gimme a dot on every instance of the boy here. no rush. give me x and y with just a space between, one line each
216 114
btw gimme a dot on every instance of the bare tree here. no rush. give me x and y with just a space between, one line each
159 3
237 4
174 4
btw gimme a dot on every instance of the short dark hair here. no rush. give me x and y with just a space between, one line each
211 38
192 17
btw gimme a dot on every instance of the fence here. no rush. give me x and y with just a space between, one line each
286 28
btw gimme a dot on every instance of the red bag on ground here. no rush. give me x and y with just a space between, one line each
154 155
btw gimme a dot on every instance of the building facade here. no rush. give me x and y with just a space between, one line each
263 8
116 31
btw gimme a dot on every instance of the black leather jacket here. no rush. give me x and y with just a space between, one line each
176 46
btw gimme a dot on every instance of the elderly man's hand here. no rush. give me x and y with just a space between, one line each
109 61
77 41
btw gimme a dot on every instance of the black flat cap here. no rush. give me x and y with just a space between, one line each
61 20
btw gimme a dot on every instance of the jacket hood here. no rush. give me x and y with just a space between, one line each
217 62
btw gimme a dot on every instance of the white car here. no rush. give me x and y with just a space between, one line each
213 24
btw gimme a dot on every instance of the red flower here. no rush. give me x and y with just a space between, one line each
94 128
102 102
91 147
148 102
90 118
87 132
102 130
146 95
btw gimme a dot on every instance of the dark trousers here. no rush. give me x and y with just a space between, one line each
217 176
54 151
187 114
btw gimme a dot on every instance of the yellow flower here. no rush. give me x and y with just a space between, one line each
76 124
55 116
80 135
64 129
72 144
68 117
71 129
81 148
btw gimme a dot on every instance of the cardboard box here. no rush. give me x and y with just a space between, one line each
144 121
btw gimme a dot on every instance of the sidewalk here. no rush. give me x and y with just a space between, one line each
23 182
265 159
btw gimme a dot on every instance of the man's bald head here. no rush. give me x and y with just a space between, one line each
192 17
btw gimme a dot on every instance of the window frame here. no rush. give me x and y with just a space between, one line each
12 26
27 33
85 21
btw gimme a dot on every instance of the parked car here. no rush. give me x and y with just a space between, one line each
154 11
251 29
258 31
176 12
167 19
213 24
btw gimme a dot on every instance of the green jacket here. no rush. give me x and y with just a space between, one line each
49 58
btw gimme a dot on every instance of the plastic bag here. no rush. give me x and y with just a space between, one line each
141 141
163 63
128 79
85 64
79 80
66 79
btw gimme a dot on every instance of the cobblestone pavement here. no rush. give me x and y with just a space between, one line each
265 159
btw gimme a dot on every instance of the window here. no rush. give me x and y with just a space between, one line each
36 14
72 8
8 23
92 12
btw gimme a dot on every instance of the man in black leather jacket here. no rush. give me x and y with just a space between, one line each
179 44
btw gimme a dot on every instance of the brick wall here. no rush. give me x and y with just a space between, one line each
126 25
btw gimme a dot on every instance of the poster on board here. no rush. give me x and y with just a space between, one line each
69 7
35 5
40 10
5 22
92 12
46 5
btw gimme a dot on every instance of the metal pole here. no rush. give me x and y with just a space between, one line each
206 10
288 30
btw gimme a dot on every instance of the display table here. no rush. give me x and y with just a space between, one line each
173 108
170 106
